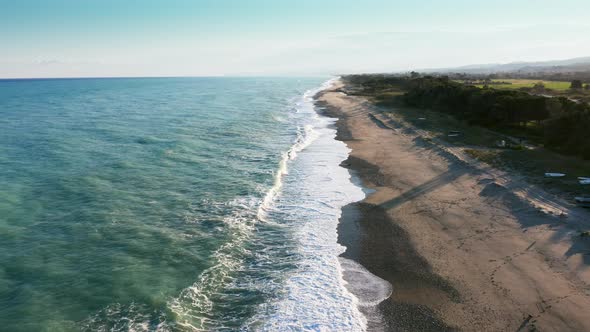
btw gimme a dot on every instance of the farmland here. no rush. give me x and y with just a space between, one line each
514 84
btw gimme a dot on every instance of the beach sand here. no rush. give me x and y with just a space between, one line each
465 247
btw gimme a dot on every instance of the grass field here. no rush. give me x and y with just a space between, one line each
522 83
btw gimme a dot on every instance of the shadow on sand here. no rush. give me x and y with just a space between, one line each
432 184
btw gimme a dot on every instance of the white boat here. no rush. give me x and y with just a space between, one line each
554 175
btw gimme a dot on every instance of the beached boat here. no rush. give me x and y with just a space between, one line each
554 175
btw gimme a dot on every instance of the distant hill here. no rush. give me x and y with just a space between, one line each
581 64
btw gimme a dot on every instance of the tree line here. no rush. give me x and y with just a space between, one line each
562 124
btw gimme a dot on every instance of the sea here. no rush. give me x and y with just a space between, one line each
171 204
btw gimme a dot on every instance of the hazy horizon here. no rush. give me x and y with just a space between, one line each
275 38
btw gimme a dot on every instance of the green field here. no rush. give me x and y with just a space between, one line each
524 83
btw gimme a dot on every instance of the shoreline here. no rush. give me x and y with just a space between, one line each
360 235
448 238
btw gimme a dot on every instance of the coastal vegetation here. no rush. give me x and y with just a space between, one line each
541 134
413 151
559 123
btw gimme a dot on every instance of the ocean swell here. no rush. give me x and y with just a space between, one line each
314 295
280 264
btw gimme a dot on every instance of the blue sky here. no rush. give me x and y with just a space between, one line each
64 38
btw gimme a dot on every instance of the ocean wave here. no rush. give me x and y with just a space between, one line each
305 136
313 296
282 247
194 306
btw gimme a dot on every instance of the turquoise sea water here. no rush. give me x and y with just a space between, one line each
170 204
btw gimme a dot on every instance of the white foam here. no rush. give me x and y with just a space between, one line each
368 288
305 136
194 303
315 296
227 259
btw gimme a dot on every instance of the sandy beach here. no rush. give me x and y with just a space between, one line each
464 246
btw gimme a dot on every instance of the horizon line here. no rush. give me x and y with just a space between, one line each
171 76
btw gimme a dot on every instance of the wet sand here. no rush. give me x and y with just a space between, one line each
461 245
